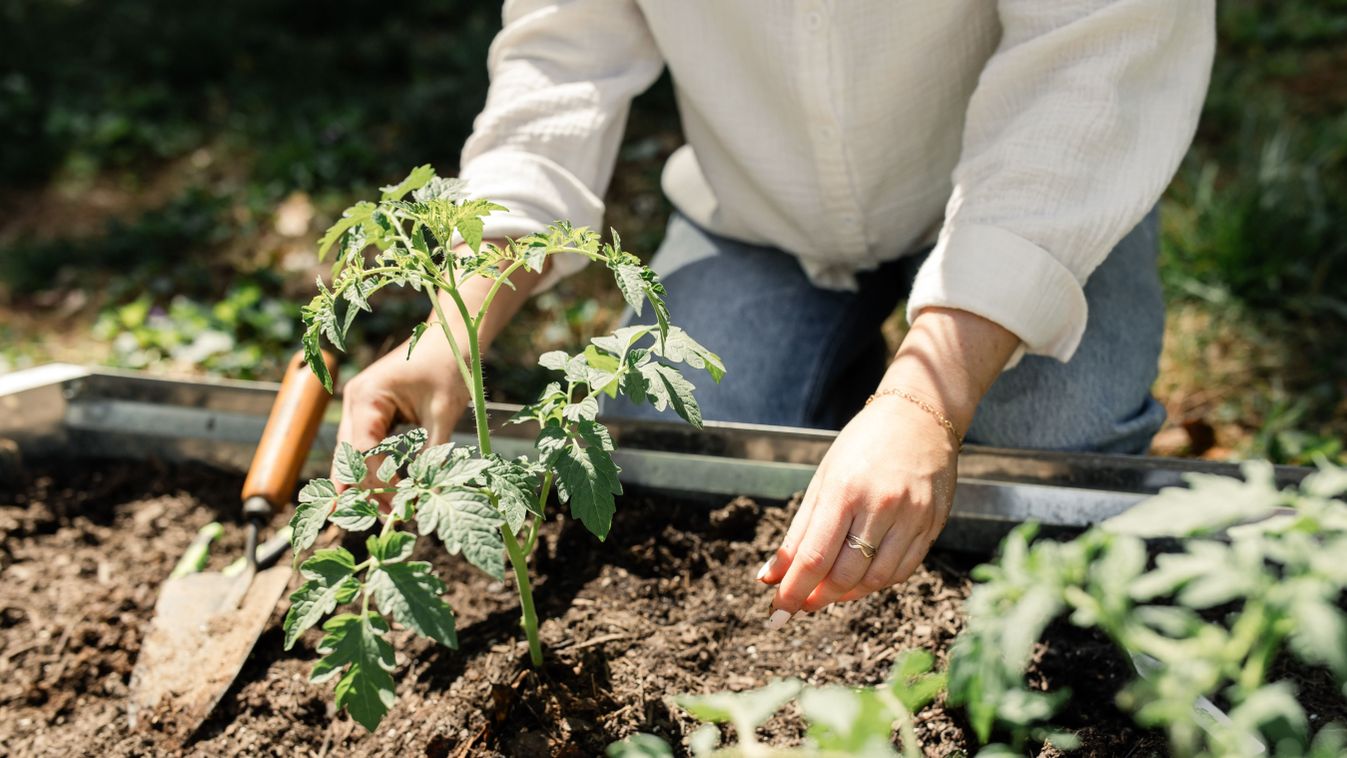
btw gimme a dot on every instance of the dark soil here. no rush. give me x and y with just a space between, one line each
668 605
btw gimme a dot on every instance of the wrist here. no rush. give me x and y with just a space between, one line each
950 358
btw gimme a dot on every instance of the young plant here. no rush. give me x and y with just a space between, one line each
843 721
1259 573
476 501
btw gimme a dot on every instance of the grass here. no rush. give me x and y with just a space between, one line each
179 160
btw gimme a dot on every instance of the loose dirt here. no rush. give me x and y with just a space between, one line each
667 605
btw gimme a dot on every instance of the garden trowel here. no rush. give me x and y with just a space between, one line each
206 623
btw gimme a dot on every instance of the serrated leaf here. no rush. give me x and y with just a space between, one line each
586 477
317 500
417 331
470 227
631 284
417 179
1320 633
1210 504
392 547
466 522
586 409
331 582
356 214
678 346
745 710
848 721
355 512
388 469
348 465
665 387
354 646
313 356
515 487
410 593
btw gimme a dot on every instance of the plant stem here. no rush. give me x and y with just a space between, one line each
519 560
453 343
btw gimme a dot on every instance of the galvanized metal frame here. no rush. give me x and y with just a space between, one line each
65 411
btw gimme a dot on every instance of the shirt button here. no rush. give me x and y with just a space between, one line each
827 133
814 21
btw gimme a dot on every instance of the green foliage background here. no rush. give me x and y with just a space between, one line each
150 146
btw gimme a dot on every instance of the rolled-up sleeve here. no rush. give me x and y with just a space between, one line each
563 74
1078 122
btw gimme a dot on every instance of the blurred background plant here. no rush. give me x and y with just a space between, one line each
168 166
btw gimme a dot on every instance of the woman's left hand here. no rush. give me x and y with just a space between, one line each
887 482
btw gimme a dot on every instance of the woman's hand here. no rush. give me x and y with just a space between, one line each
889 477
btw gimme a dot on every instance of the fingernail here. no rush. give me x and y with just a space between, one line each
766 567
778 620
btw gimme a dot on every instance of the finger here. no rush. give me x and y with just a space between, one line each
814 558
365 421
775 568
852 567
880 574
916 553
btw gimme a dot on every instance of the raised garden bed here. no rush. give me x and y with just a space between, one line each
669 608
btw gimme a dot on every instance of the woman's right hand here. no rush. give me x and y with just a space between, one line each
425 390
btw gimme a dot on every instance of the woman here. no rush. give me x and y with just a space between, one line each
994 163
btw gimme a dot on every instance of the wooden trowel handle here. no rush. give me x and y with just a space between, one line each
294 421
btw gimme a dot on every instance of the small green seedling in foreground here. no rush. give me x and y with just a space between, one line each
1260 574
843 721
474 500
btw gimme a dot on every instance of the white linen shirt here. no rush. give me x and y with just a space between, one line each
844 131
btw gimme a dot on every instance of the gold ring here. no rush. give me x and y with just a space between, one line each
866 548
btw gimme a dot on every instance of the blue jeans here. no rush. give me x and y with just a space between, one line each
798 355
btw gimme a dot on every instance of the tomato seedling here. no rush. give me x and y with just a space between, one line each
474 500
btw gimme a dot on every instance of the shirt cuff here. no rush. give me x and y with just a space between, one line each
1004 278
537 193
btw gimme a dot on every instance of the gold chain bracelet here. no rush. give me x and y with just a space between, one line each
925 406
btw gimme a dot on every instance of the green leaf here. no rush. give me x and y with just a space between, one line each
679 347
586 477
313 356
1211 503
1320 633
417 179
470 227
466 522
349 464
355 647
515 485
640 745
331 582
704 740
388 469
632 285
355 512
665 387
400 446
585 409
317 500
417 331
848 721
392 547
356 214
745 710
410 593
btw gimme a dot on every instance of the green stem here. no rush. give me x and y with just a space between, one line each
519 560
449 335
478 391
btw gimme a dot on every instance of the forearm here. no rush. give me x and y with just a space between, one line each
950 357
